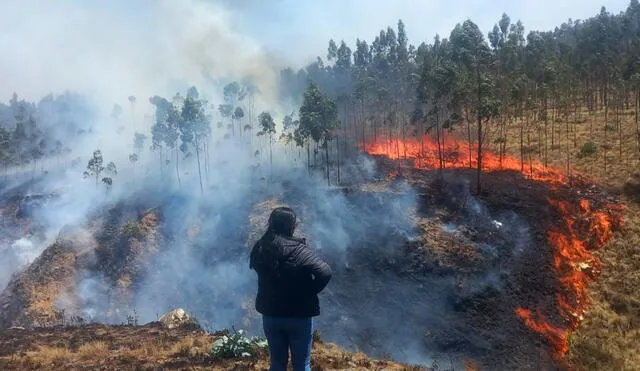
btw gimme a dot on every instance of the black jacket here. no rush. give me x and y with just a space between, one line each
290 276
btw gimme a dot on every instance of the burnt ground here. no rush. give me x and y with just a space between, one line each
448 296
527 275
437 279
149 347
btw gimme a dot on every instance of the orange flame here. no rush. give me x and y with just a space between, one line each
582 230
469 366
456 153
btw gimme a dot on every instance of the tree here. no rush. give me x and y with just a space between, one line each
138 141
318 119
95 166
5 149
194 127
233 93
268 127
474 58
165 130
238 115
132 102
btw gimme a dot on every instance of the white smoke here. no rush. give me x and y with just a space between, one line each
113 49
24 251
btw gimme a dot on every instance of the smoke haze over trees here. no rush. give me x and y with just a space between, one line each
183 118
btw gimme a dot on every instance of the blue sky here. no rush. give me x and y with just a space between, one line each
301 28
108 47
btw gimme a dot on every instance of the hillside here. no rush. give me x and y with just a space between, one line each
149 347
476 194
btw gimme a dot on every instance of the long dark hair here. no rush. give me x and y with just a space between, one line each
282 223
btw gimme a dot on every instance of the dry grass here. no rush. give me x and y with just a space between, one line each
94 349
189 346
623 154
609 337
151 347
46 356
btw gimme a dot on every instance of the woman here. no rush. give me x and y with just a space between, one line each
290 276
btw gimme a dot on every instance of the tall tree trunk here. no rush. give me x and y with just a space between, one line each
479 118
177 169
546 122
469 139
521 145
199 171
338 156
619 129
568 152
270 159
326 153
637 103
440 149
308 159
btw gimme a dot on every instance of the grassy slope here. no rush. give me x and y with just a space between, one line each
148 347
609 338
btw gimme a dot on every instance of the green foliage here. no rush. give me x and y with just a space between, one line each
132 229
318 117
267 125
95 166
237 346
588 149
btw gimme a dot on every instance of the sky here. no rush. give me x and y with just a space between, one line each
113 48
300 29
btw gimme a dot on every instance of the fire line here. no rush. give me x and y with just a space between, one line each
582 230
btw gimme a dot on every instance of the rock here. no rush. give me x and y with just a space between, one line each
177 318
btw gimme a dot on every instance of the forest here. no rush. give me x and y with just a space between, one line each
509 91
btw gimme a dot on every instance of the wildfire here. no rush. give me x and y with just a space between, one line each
582 229
469 366
456 153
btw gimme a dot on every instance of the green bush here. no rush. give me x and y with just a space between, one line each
132 229
588 149
237 346
610 127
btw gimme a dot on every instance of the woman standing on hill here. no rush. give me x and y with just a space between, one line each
290 276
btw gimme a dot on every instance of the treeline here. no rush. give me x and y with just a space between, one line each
32 133
486 86
506 90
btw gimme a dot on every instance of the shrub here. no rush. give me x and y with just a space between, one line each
237 345
588 149
132 229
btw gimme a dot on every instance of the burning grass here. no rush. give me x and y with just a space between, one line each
585 225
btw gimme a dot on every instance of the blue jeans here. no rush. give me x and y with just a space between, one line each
284 333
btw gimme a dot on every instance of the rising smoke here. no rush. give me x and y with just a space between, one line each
198 260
